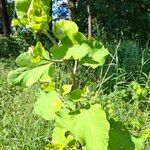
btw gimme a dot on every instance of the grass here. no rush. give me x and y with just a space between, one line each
20 129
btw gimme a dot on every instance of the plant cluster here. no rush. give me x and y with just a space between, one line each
80 121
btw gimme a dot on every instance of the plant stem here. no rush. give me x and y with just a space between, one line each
71 71
75 67
50 37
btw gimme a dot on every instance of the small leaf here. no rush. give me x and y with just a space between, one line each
16 22
66 88
48 86
75 94
38 53
47 105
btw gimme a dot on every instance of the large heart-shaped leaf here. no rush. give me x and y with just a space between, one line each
89 126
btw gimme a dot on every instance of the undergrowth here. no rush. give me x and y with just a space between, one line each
20 129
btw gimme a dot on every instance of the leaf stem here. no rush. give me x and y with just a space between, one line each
53 60
73 75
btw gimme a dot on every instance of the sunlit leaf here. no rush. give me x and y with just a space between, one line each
59 137
77 51
138 142
38 16
66 88
96 56
21 7
64 28
47 105
28 76
48 86
89 126
24 60
38 52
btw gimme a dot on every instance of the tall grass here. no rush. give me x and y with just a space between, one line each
20 129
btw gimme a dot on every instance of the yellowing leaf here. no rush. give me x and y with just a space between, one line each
66 88
38 52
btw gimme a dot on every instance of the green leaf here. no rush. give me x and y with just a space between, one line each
89 126
47 105
75 94
89 62
28 76
16 22
24 60
97 55
64 28
59 51
119 137
100 55
21 7
77 51
14 74
78 38
34 14
48 86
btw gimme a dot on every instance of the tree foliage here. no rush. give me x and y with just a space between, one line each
113 19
